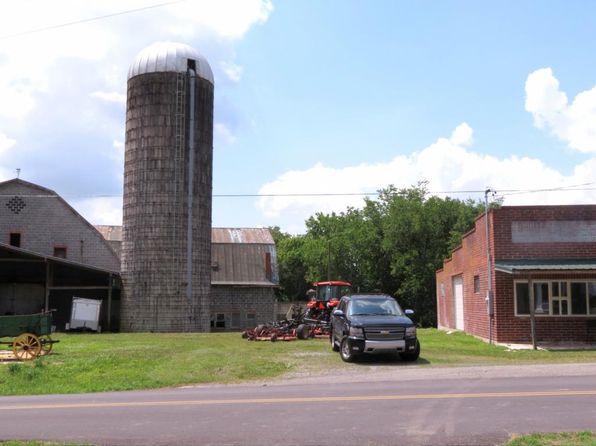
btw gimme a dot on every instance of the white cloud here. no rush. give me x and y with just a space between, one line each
5 143
232 71
100 210
223 134
110 96
230 19
28 60
573 123
447 164
60 89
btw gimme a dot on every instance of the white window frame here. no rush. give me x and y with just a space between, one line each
566 298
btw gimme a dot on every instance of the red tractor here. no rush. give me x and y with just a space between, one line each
323 299
304 324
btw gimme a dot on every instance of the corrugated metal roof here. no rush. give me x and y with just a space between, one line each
112 233
257 236
36 255
511 266
244 263
242 235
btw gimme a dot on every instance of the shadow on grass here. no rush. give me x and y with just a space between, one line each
388 360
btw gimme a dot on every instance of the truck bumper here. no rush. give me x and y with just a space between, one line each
366 346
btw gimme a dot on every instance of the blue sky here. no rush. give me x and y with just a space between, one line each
314 97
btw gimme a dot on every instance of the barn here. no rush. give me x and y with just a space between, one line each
244 275
49 254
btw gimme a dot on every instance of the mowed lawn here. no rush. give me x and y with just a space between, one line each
106 362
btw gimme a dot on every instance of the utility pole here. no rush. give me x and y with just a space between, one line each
489 288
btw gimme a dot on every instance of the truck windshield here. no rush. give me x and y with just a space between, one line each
374 307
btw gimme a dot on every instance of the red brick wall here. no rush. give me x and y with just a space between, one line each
505 249
470 260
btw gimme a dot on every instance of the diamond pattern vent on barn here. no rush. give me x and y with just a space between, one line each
16 205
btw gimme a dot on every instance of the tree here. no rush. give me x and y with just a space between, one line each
393 245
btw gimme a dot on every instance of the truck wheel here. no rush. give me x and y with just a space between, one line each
344 351
411 356
334 346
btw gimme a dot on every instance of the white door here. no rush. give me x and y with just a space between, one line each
458 297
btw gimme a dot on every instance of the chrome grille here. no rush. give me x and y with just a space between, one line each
385 332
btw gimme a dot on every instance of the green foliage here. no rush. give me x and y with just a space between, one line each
393 245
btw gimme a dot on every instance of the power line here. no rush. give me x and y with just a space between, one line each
501 192
90 19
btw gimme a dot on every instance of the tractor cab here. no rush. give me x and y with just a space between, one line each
328 294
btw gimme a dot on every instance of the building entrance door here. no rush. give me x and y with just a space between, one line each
458 298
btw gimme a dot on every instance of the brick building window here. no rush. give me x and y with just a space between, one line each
476 284
218 321
557 298
60 251
15 239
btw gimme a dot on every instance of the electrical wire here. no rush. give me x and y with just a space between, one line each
504 192
90 19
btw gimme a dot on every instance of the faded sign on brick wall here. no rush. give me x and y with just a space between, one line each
553 231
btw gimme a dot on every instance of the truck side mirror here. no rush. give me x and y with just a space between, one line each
409 312
338 313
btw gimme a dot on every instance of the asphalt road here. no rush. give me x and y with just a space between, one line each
405 405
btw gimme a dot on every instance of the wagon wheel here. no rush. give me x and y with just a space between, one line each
46 345
26 346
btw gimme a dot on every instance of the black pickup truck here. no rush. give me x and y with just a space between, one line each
372 323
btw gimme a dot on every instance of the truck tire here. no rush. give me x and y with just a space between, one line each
411 356
334 346
345 352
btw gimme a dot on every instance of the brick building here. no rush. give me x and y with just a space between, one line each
542 274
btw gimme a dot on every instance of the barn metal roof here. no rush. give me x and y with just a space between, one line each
512 266
256 236
260 236
169 56
12 252
112 233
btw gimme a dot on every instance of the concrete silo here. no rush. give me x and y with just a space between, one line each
166 249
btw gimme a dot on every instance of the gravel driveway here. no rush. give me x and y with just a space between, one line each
367 373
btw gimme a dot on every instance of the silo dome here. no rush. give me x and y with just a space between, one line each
169 57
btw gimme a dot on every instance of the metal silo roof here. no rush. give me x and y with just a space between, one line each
169 56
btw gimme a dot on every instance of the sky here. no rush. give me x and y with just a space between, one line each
316 102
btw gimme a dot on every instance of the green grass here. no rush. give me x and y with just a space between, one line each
457 348
39 443
558 439
108 362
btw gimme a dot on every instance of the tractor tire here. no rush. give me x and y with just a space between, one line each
301 330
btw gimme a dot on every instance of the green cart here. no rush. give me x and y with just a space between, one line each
30 334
